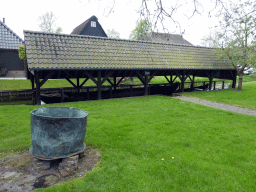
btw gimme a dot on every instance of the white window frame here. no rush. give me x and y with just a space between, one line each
93 23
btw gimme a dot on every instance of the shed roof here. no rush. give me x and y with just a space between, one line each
9 39
61 51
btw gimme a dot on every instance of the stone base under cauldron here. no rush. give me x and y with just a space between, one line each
65 166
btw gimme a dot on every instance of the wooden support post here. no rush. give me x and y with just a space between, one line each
32 77
182 81
223 84
115 83
234 80
38 97
32 81
62 95
210 80
111 94
99 85
131 89
87 93
214 85
77 85
146 84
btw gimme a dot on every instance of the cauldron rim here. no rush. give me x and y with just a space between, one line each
85 114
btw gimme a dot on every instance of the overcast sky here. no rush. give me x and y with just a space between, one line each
23 15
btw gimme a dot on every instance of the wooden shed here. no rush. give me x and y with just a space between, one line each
62 56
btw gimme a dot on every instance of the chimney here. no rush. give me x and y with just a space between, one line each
3 20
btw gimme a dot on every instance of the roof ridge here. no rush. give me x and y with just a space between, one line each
11 31
106 38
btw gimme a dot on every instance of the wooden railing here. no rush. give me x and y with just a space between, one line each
27 94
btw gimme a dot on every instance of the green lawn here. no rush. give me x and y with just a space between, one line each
245 98
153 143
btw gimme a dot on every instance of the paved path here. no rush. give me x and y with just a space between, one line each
217 105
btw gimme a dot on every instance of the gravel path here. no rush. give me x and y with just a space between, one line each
217 105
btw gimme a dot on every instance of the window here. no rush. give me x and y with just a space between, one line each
93 24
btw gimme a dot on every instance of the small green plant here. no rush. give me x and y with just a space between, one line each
22 53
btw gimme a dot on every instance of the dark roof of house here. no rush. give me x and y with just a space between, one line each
165 38
61 51
80 29
9 39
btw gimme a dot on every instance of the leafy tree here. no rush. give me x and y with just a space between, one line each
113 34
236 37
142 27
47 23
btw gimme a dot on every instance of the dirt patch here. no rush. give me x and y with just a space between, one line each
17 173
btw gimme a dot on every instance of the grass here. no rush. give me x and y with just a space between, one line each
244 98
153 144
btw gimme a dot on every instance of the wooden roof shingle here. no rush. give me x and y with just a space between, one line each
61 51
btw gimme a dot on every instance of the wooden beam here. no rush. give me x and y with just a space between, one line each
167 79
84 82
106 76
182 81
110 82
71 82
140 77
46 78
32 79
115 83
77 84
91 77
38 97
99 85
234 79
146 85
68 75
152 76
174 79
120 81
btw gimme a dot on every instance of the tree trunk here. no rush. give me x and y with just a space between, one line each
240 82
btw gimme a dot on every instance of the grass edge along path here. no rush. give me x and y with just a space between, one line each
153 144
244 98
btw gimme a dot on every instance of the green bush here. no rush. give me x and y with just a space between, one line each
22 54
